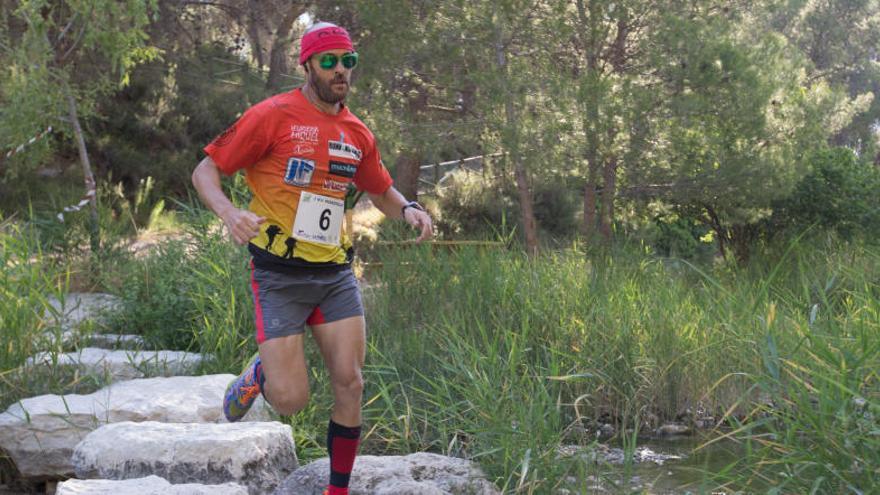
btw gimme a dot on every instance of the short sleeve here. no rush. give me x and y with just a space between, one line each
371 175
244 143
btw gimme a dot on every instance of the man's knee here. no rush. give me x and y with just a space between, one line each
288 401
350 383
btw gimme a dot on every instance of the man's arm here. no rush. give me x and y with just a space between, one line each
390 203
243 225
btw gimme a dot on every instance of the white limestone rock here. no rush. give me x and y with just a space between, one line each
672 429
40 433
119 364
68 339
414 474
115 341
256 455
78 307
151 485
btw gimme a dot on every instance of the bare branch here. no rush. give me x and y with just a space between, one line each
66 29
229 9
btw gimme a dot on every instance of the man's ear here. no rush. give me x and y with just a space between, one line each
306 66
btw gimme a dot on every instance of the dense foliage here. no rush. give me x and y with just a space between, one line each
705 113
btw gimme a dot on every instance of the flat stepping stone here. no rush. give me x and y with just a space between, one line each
121 365
256 455
414 474
151 485
79 307
72 338
672 429
40 433
115 341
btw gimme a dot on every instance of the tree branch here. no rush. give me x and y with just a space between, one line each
65 30
229 9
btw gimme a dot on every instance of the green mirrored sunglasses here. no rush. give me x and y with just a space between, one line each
328 61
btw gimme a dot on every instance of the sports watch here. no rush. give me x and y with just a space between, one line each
411 204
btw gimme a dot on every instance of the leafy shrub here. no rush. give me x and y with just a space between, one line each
191 294
839 193
679 237
472 204
155 296
556 208
157 125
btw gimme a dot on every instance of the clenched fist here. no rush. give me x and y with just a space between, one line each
243 225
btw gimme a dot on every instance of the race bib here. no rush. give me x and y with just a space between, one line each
318 219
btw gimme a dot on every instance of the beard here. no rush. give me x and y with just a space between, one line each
325 91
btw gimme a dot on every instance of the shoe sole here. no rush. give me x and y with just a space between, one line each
244 370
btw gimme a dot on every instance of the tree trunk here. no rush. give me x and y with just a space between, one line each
715 223
590 189
278 67
530 225
743 238
94 233
407 170
511 141
280 51
587 39
523 189
253 25
609 179
408 163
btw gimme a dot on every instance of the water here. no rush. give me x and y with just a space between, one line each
688 475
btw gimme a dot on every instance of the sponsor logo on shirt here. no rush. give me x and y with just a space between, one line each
341 149
303 149
335 185
299 171
304 133
343 169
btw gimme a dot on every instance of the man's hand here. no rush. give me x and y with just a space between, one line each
420 220
243 225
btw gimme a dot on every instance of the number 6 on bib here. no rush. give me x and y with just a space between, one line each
318 219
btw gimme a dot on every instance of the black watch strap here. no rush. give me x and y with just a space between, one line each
411 204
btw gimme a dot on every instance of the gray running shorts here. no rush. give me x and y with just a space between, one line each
284 304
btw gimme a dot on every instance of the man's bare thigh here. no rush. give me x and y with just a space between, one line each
343 345
284 363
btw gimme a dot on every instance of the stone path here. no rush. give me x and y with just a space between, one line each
120 364
256 455
414 474
77 308
150 485
40 433
167 435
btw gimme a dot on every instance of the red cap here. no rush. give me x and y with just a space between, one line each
321 37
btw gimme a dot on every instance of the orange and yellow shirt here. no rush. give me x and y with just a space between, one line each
299 162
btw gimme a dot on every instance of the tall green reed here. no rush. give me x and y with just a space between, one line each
817 428
496 356
467 343
28 281
491 355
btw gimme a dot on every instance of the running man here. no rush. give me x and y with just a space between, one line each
300 151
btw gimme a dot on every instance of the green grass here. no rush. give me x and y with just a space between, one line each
29 280
499 355
493 356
